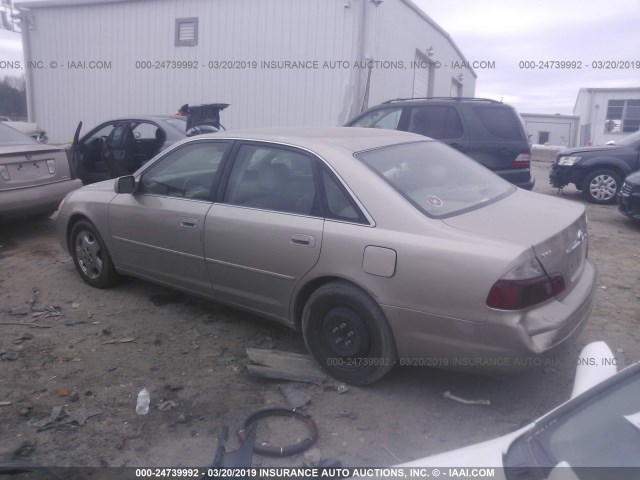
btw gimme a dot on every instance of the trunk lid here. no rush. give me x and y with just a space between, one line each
37 166
555 228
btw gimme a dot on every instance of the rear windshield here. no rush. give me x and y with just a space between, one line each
436 179
500 121
9 136
179 122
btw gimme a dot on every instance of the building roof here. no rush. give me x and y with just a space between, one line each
431 22
60 3
584 91
68 3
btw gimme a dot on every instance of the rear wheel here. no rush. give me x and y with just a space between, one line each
346 332
90 256
601 186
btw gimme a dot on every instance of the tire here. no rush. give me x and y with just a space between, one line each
346 332
91 257
602 186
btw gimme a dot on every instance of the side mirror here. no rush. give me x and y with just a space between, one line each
125 184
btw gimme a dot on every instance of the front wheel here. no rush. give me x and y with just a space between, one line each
347 333
90 256
601 186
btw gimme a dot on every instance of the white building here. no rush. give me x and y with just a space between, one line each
607 114
561 130
277 62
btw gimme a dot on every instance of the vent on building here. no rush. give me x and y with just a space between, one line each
186 32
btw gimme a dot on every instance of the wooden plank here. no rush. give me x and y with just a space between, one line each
278 374
285 365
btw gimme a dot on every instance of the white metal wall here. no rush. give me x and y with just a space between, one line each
591 106
229 30
396 31
563 129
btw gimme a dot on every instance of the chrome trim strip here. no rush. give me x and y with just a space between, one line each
154 247
250 269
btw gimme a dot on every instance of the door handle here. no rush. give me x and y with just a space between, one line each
188 222
303 240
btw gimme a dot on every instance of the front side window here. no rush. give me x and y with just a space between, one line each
187 172
436 179
272 178
381 118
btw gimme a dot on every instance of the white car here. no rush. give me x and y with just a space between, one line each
598 427
29 129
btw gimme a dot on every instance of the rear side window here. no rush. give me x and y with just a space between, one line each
500 121
438 121
339 205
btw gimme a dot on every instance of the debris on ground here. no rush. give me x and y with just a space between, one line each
166 405
119 340
279 365
395 457
24 336
295 397
346 414
9 354
342 388
450 396
61 417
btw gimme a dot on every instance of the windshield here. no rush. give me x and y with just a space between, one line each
601 431
9 136
436 179
630 140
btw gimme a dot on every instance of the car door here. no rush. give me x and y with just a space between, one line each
157 232
266 231
87 153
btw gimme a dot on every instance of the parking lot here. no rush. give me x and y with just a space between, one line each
65 344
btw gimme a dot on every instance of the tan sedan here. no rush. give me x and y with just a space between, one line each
383 247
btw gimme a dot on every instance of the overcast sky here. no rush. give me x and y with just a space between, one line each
510 31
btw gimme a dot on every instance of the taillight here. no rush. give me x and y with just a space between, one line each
524 286
523 160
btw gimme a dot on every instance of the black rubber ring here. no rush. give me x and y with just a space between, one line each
284 450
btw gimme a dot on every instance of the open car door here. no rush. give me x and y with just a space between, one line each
74 154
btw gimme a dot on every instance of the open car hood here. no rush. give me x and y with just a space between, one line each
206 114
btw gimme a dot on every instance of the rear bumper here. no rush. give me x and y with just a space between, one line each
520 177
506 341
35 200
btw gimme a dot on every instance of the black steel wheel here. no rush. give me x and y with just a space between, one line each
347 333
90 256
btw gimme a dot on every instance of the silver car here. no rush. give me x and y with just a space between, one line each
383 247
34 177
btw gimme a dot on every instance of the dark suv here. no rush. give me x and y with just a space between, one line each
597 171
488 131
